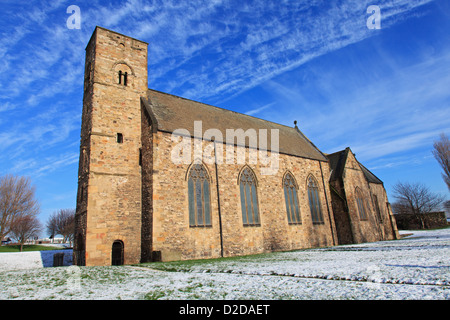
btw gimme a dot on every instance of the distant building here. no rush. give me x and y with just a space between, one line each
136 204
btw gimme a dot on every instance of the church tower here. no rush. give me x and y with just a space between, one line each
108 214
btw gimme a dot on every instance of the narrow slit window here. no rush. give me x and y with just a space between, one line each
120 76
119 138
125 78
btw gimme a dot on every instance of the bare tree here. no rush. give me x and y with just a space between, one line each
25 228
17 199
52 225
442 154
416 198
67 225
62 222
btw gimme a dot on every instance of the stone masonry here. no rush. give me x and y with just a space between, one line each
133 197
109 193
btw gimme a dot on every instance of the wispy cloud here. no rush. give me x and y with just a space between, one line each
392 113
258 110
28 144
56 162
267 48
399 161
245 43
209 50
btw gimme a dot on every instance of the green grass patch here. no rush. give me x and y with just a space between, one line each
28 247
158 293
187 265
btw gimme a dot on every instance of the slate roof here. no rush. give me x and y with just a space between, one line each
369 175
337 164
171 112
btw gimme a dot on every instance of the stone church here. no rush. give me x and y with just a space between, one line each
165 178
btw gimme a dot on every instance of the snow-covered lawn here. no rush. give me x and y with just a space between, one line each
31 259
416 267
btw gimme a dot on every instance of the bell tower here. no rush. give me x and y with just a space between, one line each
109 175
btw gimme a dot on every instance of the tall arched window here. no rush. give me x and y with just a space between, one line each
360 204
249 199
199 197
291 198
314 200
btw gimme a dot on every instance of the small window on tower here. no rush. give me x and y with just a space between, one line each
119 138
123 75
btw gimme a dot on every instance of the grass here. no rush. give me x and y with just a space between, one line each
189 265
27 247
186 265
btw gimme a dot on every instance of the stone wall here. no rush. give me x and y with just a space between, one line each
131 190
351 226
175 239
364 230
111 136
383 213
146 161
340 213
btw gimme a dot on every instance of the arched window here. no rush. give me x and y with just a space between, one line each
291 198
249 199
314 200
360 204
199 197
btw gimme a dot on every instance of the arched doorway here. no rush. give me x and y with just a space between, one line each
117 253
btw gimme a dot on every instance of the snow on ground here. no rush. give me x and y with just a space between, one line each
415 267
31 259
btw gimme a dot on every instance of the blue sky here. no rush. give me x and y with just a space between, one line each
384 93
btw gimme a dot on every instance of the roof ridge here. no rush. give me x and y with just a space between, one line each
221 108
364 167
307 139
171 115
